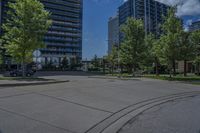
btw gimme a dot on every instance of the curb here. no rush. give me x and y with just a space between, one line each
32 84
116 78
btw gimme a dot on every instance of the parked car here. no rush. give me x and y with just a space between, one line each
16 73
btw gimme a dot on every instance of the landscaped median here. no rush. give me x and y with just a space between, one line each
14 82
192 79
188 79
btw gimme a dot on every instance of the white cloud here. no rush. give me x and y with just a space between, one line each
185 7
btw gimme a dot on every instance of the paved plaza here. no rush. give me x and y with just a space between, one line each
86 104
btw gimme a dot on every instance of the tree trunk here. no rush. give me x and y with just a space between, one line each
170 70
129 69
104 67
133 70
3 61
185 68
198 71
157 67
174 68
23 67
170 73
112 69
122 69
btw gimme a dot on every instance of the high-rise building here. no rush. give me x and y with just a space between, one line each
113 32
64 38
150 11
195 26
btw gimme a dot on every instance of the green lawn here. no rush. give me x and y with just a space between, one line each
175 78
195 83
120 75
193 79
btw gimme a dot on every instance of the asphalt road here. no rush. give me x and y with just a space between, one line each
181 116
84 105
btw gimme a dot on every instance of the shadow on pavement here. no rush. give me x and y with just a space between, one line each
66 73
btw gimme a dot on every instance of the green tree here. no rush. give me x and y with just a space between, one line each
104 63
73 62
171 28
153 53
186 49
1 53
96 62
195 40
113 58
133 48
24 29
1 59
65 63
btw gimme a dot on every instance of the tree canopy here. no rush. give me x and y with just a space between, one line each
24 29
133 47
172 27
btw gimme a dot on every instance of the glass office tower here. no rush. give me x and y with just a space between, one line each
64 38
113 33
150 11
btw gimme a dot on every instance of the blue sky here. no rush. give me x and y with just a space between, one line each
95 18
96 15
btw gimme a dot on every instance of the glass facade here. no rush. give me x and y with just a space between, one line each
113 33
64 38
195 26
150 11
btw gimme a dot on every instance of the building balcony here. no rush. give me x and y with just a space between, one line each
61 7
63 34
65 29
67 19
64 13
59 50
76 4
67 24
58 39
63 45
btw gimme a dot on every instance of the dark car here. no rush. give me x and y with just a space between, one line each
16 73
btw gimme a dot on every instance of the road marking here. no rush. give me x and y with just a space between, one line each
68 101
107 125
